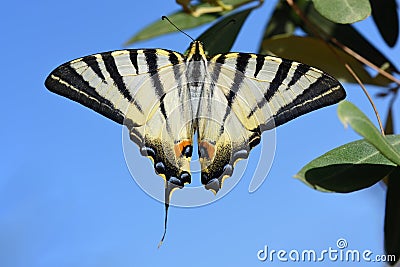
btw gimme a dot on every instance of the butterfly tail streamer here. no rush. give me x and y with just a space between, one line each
165 224
169 188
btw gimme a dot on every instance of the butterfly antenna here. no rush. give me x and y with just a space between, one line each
176 27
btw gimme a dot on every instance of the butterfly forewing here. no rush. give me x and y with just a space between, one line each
288 89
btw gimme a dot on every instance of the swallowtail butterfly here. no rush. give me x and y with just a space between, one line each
164 98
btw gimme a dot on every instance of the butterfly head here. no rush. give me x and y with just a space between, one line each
196 52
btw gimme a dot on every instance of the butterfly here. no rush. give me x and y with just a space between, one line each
164 98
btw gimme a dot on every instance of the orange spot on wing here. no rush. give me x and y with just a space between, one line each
178 148
209 148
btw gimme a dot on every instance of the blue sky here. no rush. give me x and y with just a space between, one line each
67 197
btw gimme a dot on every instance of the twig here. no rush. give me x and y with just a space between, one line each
317 32
350 70
364 60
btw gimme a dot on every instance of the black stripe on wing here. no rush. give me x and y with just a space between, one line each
152 63
151 59
300 70
92 63
65 81
259 64
133 55
241 64
242 61
323 92
112 69
280 76
216 71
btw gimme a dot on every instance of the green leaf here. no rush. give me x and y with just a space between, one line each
386 19
279 23
344 33
182 20
220 37
353 166
315 52
392 216
389 129
350 114
343 11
